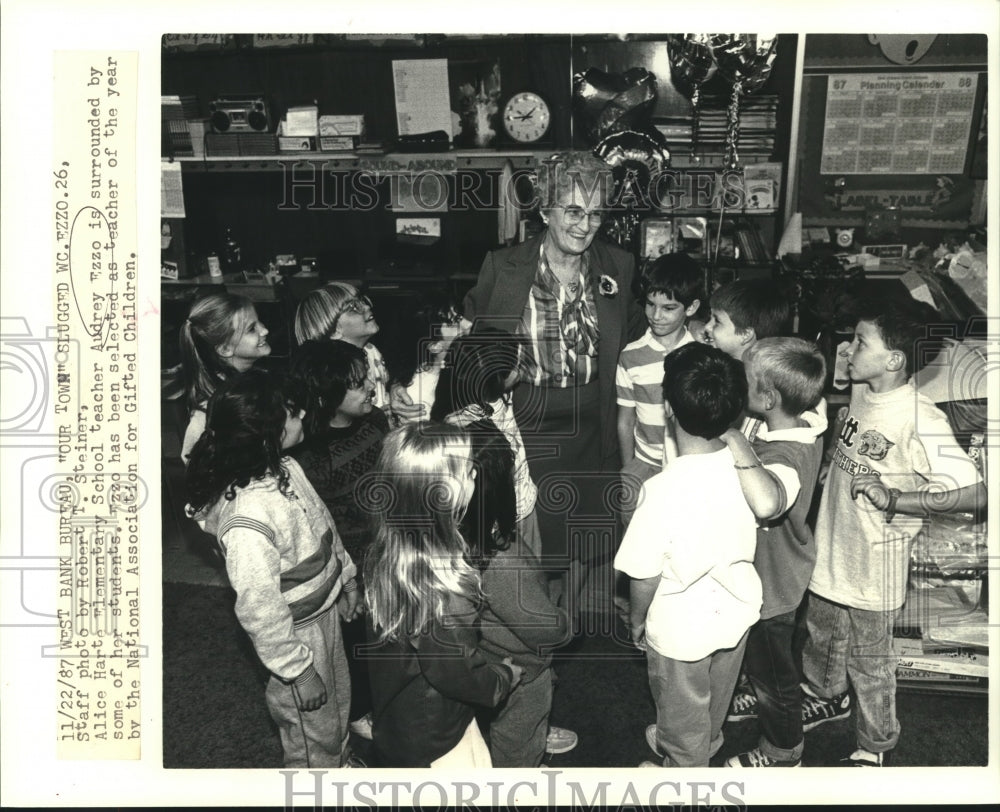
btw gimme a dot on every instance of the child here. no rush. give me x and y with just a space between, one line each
694 591
744 312
474 387
896 460
284 559
519 620
337 311
432 328
785 378
671 290
428 672
344 431
220 338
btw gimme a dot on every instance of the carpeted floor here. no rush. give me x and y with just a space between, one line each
214 714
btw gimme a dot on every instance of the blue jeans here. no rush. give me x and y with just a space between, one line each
692 699
854 646
770 665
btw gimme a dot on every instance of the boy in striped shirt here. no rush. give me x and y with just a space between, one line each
671 291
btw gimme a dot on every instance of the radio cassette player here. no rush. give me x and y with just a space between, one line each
239 114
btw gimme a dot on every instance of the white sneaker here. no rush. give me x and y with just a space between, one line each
560 740
362 727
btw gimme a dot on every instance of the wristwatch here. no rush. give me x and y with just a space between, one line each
890 509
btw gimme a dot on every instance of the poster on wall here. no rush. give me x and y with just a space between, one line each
867 146
898 123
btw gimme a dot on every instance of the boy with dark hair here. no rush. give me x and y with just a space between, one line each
785 378
896 460
671 290
744 312
694 591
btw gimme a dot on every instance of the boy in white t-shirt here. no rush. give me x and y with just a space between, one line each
895 461
694 590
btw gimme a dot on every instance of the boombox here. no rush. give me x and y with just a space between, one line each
239 114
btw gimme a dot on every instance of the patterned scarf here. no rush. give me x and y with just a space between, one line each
577 324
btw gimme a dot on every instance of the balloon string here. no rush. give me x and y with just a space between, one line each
718 231
695 119
733 129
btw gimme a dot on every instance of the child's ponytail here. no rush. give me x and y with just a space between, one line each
215 321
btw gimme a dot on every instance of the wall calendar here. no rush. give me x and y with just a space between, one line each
898 123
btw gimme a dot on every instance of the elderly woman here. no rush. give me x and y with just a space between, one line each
571 298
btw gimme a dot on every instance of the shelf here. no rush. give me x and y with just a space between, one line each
447 161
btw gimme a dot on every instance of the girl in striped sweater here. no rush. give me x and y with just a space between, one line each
284 558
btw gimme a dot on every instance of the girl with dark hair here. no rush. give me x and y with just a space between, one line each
284 559
343 438
519 620
473 387
220 338
419 355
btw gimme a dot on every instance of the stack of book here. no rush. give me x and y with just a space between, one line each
758 122
941 639
679 133
177 115
747 238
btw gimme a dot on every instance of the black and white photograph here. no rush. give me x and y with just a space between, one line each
513 416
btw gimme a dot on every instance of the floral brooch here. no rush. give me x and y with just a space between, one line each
608 286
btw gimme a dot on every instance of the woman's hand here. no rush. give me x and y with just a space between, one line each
402 404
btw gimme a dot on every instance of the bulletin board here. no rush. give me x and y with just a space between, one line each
876 134
867 145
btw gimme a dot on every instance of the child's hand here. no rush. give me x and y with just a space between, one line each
350 606
638 632
872 487
402 404
515 668
824 472
309 690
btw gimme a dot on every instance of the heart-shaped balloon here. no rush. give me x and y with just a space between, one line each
745 59
608 102
691 60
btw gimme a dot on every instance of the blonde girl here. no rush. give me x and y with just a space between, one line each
428 673
338 311
220 338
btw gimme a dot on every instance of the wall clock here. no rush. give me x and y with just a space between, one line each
526 117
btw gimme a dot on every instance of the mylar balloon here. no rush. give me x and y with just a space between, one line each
691 61
637 160
745 59
646 149
607 102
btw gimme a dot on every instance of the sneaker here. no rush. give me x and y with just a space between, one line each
758 758
863 758
650 764
353 762
362 727
816 710
560 740
651 740
743 706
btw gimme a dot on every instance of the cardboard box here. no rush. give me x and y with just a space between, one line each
342 125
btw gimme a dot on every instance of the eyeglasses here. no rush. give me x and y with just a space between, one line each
359 304
574 215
